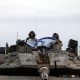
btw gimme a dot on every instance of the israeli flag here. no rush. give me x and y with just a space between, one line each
46 41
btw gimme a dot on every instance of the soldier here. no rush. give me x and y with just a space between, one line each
31 40
58 45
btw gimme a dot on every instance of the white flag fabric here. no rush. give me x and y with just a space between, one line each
46 41
31 42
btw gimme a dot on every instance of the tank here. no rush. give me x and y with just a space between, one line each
21 59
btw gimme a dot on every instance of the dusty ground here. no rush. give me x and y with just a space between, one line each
32 78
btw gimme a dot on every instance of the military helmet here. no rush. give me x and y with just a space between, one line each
56 35
32 34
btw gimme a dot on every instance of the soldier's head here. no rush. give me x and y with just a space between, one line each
56 35
32 34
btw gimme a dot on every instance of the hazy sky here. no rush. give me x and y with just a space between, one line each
43 16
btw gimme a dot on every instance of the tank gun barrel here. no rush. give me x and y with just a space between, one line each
43 63
44 71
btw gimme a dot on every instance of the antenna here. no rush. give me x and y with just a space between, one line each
36 21
17 35
78 48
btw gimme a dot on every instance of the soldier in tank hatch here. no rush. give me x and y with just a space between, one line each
58 45
31 40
